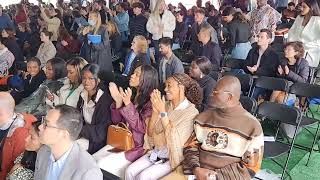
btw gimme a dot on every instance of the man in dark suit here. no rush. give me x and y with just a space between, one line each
61 157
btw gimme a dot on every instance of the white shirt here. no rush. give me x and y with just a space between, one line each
89 107
183 105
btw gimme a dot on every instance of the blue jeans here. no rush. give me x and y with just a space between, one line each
241 50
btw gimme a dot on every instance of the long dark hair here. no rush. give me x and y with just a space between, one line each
148 82
78 63
314 7
59 68
94 69
29 157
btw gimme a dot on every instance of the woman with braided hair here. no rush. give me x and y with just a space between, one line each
168 129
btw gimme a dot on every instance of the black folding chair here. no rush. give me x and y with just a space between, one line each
314 75
233 64
279 113
308 91
246 81
249 104
271 83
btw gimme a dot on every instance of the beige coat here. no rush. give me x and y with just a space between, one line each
46 52
175 135
53 25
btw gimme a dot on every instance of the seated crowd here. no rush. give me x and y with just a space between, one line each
71 74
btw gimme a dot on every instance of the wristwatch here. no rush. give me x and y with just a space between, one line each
163 114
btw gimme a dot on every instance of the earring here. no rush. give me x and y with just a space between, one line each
201 76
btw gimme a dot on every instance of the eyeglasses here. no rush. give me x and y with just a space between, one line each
217 92
44 122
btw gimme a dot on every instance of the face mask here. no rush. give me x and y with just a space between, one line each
92 22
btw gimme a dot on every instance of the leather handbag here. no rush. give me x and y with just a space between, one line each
120 137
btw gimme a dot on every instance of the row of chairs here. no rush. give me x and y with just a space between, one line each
282 113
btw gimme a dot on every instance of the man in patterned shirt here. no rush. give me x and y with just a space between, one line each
227 142
263 17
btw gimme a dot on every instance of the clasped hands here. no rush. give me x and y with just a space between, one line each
119 95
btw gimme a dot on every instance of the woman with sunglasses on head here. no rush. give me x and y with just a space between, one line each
92 104
199 70
170 126
69 93
24 165
133 110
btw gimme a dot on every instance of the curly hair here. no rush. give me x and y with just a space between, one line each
193 91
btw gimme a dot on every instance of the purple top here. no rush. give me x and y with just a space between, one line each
136 120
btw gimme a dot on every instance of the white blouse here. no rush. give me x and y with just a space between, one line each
309 36
89 107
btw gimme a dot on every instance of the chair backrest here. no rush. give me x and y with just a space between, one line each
272 83
249 104
279 112
305 90
246 81
233 63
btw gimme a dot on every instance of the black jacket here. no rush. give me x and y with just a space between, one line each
195 44
29 86
299 72
239 32
180 32
13 47
96 132
100 54
268 64
207 84
212 51
138 26
140 59
116 45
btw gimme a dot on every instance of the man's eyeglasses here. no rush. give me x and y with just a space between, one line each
44 122
217 92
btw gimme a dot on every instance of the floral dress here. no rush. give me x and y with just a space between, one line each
20 173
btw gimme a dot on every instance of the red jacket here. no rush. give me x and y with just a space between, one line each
21 17
14 142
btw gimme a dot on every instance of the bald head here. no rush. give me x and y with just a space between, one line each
230 84
7 101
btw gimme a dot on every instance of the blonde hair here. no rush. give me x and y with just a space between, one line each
155 13
98 21
142 44
113 28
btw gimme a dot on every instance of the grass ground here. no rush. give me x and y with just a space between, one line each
297 163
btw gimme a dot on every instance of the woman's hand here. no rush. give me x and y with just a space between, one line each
280 70
286 70
126 96
86 30
115 94
64 43
158 102
50 97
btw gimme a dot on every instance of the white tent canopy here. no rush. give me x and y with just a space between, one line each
187 3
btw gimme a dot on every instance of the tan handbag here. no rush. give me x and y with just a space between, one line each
120 137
